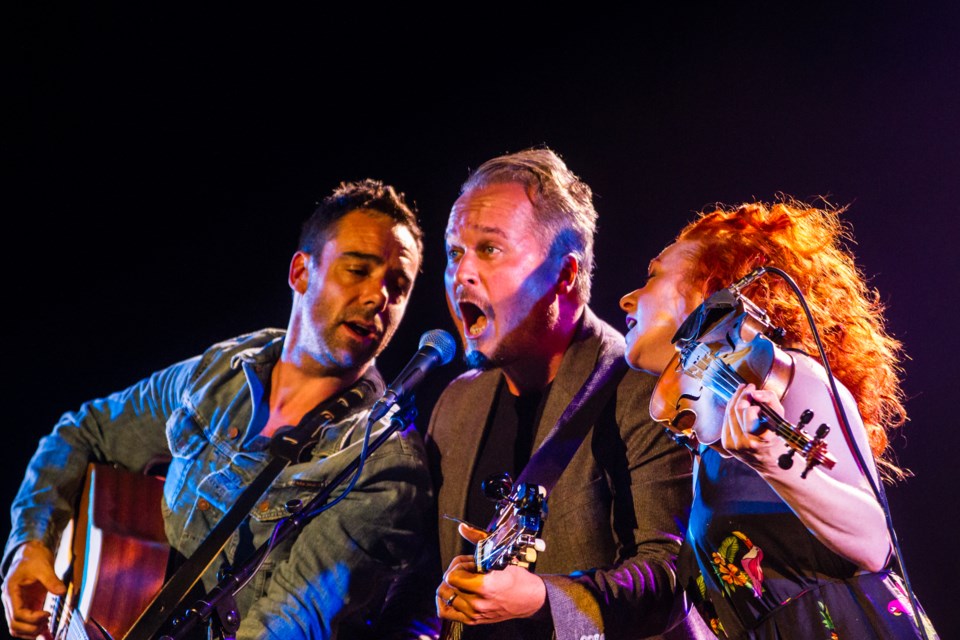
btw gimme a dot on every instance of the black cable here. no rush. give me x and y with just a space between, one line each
878 491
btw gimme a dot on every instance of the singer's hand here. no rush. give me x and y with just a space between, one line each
486 598
30 577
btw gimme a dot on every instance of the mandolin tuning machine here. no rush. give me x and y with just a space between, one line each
497 487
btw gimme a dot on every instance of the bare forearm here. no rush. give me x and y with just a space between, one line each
845 518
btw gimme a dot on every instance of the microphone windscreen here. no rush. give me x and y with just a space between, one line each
442 342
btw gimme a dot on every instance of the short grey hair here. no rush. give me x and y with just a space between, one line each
562 204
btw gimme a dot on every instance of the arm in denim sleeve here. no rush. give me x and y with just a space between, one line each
637 594
126 428
341 565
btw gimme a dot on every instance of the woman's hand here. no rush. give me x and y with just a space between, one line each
743 436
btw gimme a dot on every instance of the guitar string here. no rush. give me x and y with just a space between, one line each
502 550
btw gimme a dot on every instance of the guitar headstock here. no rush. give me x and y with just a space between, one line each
515 537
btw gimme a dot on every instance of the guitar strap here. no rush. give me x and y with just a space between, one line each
287 446
553 456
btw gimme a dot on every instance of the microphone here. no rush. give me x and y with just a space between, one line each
437 348
718 305
727 298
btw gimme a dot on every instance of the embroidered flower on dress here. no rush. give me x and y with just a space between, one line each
751 573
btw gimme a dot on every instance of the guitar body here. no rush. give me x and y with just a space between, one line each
113 555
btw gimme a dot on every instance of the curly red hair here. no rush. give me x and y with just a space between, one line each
809 244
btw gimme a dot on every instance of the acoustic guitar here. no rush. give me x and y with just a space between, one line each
113 556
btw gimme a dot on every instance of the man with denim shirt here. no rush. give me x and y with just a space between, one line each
213 417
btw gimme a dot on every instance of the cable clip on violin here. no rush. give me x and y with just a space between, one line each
728 341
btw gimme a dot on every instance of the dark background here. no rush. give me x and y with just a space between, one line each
161 164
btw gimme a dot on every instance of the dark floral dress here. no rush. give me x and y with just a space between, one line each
754 570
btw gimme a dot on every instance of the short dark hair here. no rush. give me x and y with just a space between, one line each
562 203
368 194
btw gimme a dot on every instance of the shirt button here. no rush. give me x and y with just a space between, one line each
264 506
233 432
203 505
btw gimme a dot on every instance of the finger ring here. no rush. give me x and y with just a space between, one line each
449 601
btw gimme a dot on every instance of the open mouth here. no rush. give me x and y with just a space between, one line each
474 319
631 323
362 330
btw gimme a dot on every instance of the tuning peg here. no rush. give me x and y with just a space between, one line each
785 461
497 487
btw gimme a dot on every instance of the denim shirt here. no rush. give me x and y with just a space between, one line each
204 415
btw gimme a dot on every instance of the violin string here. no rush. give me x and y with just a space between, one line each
727 381
503 550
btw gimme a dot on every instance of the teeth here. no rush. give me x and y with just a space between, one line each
478 327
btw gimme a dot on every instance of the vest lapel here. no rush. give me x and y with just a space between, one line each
467 431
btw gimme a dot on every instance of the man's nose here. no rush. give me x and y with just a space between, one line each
376 295
466 270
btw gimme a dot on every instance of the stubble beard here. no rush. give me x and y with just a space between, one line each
517 344
345 357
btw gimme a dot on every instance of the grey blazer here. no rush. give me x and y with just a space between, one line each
615 517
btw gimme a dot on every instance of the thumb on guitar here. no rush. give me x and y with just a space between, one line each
470 534
31 576
36 560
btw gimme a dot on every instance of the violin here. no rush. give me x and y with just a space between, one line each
739 347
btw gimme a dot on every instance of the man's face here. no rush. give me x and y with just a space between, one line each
499 282
354 292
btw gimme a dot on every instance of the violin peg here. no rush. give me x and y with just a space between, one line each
785 461
805 417
822 431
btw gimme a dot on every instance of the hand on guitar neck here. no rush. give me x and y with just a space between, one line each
495 584
30 577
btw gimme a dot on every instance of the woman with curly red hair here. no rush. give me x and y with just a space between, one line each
769 553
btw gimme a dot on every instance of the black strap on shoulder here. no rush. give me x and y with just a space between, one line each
286 446
553 456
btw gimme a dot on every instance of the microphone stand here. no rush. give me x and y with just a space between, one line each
287 446
220 603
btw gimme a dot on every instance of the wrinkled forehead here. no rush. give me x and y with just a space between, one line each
374 236
497 209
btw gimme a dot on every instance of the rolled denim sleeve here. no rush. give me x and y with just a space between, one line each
125 428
